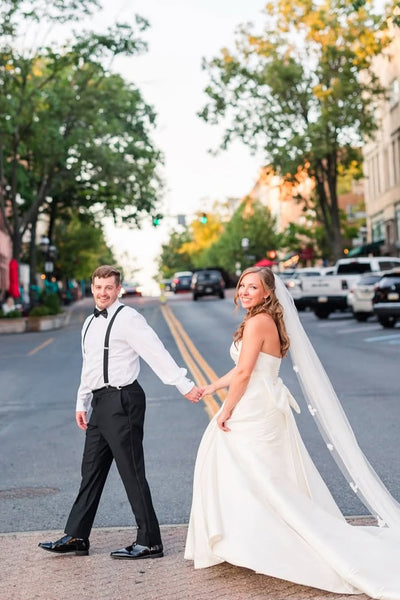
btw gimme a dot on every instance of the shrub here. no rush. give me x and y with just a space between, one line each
52 302
14 314
40 311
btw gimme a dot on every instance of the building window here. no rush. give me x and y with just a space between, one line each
394 93
397 218
396 157
377 229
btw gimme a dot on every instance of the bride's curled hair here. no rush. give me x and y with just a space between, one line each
271 306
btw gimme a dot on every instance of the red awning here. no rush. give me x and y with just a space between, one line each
13 288
265 262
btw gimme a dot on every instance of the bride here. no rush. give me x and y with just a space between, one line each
258 500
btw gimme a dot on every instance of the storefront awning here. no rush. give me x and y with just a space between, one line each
366 249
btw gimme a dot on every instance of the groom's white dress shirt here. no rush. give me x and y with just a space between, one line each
131 336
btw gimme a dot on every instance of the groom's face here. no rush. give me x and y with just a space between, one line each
105 291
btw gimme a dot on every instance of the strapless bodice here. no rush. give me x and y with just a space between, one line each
266 365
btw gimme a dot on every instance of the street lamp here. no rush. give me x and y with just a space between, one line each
49 254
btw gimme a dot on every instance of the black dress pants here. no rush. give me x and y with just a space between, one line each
115 431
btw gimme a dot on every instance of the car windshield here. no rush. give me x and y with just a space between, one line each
353 268
390 280
369 279
385 265
208 276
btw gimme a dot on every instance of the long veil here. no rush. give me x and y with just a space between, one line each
332 422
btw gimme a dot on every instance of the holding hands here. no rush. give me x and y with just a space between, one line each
195 394
208 390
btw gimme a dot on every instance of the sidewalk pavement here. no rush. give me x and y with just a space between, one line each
29 573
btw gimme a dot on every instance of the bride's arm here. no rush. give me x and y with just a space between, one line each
256 330
220 383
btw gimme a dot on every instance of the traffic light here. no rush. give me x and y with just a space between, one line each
157 220
203 218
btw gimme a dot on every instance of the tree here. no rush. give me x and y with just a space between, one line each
72 133
81 247
253 221
172 257
203 233
303 91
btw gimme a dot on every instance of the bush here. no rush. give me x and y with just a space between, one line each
13 314
52 303
40 311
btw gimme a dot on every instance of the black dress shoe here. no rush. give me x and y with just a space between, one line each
67 544
137 551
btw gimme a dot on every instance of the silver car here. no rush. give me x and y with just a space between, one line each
361 294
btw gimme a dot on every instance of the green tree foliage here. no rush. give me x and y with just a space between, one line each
220 245
72 133
202 233
303 91
81 247
253 221
172 257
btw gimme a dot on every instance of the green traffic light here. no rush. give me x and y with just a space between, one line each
157 220
203 218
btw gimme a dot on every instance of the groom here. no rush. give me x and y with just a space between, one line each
113 338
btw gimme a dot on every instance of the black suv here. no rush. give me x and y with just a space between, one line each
386 300
207 282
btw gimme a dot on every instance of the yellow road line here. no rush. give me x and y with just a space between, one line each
190 355
209 372
38 348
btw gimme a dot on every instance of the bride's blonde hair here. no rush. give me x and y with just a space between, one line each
271 306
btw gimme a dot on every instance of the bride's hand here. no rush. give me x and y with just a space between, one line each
222 418
208 390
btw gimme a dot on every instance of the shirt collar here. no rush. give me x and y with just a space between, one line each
111 309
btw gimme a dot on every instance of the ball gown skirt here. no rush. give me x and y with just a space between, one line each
259 502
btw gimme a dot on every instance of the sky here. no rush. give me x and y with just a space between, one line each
170 78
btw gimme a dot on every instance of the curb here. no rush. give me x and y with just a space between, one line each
29 573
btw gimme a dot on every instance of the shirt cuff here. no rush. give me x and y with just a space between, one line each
185 386
83 403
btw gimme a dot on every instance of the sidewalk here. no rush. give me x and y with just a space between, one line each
29 573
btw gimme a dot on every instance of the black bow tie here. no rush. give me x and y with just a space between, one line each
98 312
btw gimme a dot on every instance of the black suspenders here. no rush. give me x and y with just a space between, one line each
106 346
106 342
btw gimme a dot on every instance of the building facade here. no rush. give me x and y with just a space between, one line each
382 158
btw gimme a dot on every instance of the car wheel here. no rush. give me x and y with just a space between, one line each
360 316
322 312
387 322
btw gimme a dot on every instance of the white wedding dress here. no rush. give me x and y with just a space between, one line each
259 502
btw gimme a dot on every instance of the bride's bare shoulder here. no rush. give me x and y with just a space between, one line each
261 321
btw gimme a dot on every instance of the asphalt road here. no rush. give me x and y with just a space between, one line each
41 446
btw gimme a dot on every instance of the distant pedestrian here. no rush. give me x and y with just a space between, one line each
8 305
113 339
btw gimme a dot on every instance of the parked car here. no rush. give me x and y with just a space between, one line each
207 282
130 289
181 281
361 294
294 283
329 293
386 300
